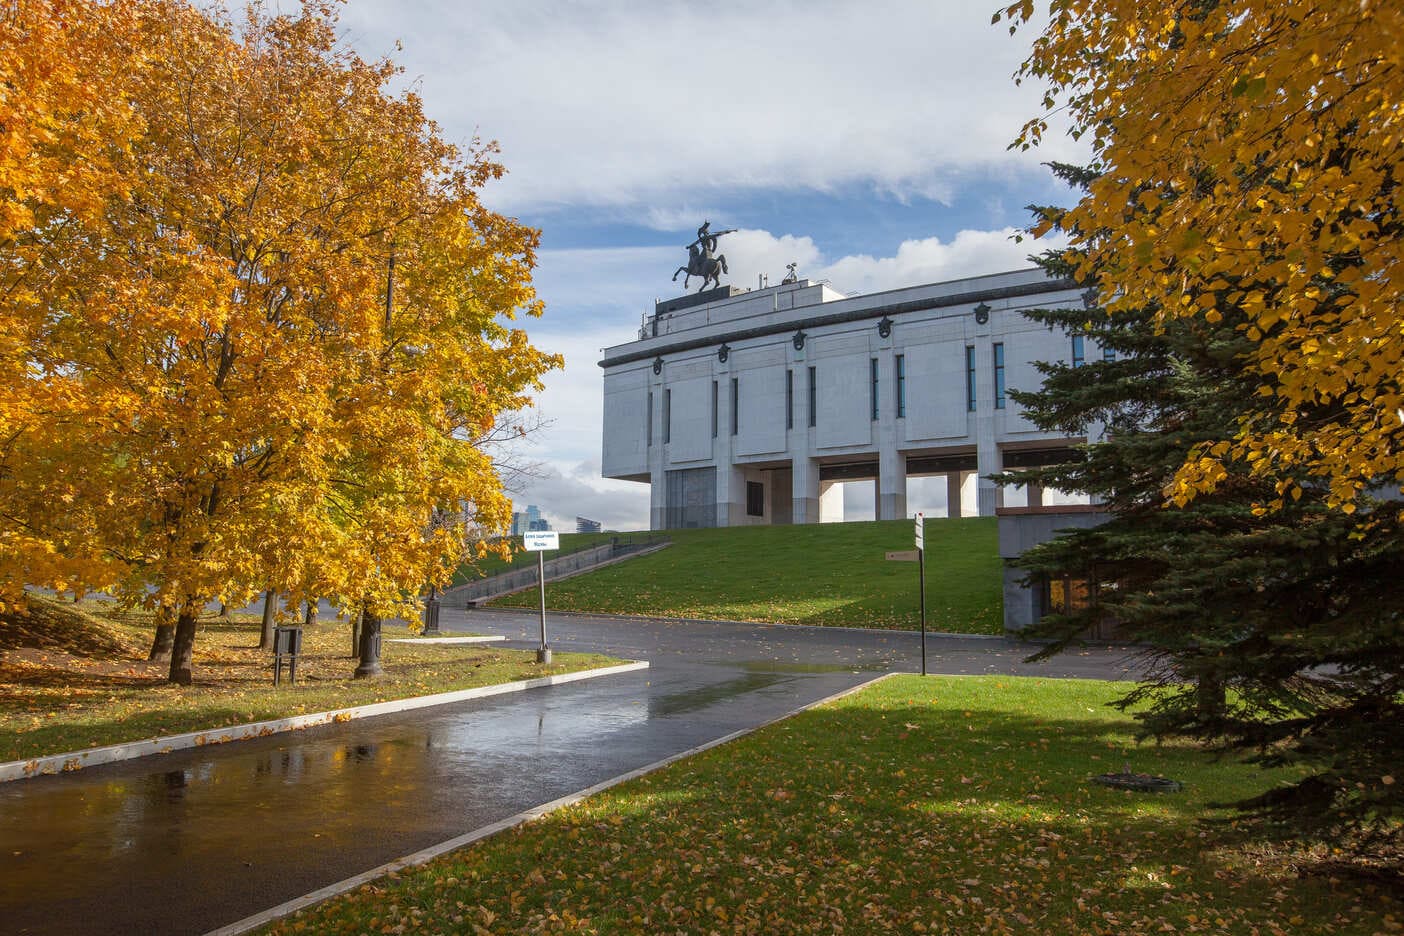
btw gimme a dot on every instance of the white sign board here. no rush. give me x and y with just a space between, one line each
920 532
541 540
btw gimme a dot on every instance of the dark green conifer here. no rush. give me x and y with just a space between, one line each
1275 632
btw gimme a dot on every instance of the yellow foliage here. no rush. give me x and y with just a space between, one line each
1275 132
257 326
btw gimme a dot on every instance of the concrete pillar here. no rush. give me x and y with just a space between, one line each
987 460
805 484
1034 494
830 501
657 500
953 484
731 497
891 486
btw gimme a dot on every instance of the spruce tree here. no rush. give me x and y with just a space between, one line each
1272 622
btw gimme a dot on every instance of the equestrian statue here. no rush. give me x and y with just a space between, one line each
703 259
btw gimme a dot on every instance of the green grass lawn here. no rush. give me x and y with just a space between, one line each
73 678
940 805
825 574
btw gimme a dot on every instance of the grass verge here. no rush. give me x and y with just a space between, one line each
833 574
73 678
941 805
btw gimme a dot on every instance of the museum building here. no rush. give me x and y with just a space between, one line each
751 406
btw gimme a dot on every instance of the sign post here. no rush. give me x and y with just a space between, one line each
920 537
538 543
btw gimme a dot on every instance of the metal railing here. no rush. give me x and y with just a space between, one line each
586 557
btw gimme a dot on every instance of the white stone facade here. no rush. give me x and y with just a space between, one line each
747 407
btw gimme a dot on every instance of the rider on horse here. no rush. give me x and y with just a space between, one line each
702 258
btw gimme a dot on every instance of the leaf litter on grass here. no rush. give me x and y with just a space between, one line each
927 806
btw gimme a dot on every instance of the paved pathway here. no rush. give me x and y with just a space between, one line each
188 842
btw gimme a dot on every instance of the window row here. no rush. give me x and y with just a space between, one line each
899 371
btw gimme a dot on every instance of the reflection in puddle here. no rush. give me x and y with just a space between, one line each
692 699
775 666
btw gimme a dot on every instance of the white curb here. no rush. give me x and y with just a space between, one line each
91 757
445 640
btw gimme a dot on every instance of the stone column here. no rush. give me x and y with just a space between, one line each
805 485
987 458
954 481
731 496
830 501
891 485
657 497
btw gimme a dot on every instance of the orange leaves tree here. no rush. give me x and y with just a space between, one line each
268 353
1249 156
1241 222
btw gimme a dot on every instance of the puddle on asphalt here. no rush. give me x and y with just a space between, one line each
775 666
693 699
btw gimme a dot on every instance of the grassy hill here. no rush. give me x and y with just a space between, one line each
826 574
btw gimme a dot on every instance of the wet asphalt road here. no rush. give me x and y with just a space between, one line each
191 841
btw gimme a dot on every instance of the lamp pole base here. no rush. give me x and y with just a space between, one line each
543 655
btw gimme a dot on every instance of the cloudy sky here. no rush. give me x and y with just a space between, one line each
864 140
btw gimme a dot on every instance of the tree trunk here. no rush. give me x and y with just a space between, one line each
183 649
370 647
165 636
311 617
265 637
1210 699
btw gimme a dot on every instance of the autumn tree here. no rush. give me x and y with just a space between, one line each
1249 155
251 399
64 132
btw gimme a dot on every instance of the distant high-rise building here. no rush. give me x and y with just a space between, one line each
586 525
529 520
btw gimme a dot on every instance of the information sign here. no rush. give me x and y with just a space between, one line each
541 540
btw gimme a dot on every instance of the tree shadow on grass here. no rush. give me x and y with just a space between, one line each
897 819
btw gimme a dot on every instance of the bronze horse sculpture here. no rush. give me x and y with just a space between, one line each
698 264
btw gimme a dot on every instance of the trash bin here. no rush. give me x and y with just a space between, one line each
287 645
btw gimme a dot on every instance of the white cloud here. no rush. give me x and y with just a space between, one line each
620 103
564 492
929 260
971 253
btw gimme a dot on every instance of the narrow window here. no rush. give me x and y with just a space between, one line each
1079 351
714 409
901 369
970 378
1108 354
667 416
999 375
813 398
789 399
735 405
650 418
873 388
755 499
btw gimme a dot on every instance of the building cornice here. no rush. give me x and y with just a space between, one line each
841 318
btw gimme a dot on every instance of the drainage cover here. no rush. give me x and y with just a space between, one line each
1143 783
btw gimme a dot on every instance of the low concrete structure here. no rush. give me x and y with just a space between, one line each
1020 529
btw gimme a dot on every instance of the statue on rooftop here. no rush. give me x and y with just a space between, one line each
703 259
